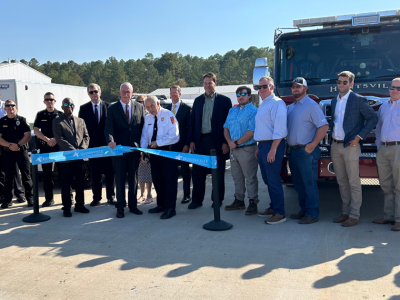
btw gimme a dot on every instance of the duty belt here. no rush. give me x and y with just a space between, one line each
247 145
295 147
390 143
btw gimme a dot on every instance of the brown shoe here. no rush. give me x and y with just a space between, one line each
341 219
237 204
350 222
276 219
266 213
383 221
396 226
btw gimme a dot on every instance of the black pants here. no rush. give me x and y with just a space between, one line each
48 183
128 162
70 170
99 166
10 159
199 173
18 192
187 177
164 172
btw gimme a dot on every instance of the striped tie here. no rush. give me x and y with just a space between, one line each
174 110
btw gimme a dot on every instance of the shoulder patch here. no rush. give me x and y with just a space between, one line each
172 120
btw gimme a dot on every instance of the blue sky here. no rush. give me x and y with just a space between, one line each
86 31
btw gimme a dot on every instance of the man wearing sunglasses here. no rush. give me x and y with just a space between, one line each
46 143
15 133
270 131
388 157
307 126
239 131
352 120
71 134
94 113
205 133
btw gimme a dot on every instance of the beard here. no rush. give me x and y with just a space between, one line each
299 95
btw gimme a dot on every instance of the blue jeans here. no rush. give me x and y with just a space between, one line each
271 174
304 169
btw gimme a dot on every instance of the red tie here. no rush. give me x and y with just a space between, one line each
96 112
127 112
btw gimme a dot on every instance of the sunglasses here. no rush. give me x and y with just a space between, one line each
241 94
10 105
260 87
296 87
49 100
93 92
390 88
141 102
344 82
68 104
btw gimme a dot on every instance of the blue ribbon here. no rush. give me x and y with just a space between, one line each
105 151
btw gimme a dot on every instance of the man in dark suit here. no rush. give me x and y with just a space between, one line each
352 120
124 124
71 134
182 113
95 114
205 133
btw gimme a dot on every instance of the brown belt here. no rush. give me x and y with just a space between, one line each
295 147
390 143
337 141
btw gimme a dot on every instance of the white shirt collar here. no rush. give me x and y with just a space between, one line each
345 97
98 104
124 104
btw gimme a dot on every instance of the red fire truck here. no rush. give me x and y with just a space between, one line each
365 44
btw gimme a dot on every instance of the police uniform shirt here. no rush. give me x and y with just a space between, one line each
13 129
44 121
167 129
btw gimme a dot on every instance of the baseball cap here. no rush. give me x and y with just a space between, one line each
300 81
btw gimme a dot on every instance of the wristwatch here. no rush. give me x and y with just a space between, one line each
236 143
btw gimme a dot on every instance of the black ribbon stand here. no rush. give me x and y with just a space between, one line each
217 224
36 217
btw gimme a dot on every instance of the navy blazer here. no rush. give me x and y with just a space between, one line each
119 130
222 105
96 130
359 118
183 117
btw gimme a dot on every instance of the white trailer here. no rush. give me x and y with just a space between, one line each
28 95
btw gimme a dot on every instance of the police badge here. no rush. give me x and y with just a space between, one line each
18 122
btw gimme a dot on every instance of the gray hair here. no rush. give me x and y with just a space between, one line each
93 85
270 80
154 98
127 84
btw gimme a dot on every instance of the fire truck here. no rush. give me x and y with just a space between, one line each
320 48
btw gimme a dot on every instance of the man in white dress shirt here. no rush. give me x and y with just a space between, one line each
388 157
161 132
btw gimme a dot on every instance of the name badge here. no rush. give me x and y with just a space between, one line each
5 125
44 120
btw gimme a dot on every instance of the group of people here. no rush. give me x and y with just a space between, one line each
250 136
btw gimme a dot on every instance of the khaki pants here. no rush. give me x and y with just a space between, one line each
346 164
244 169
388 161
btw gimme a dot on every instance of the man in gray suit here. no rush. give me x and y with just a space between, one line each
71 134
352 120
124 124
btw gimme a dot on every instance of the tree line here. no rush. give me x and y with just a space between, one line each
150 73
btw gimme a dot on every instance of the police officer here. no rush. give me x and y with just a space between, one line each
14 137
46 142
161 132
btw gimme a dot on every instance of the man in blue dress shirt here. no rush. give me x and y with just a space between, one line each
238 131
270 132
307 126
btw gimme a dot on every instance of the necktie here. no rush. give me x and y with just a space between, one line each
154 137
127 112
96 112
174 110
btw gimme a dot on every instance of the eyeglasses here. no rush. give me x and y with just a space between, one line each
260 87
241 94
344 82
49 100
93 92
68 104
390 88
126 92
10 105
